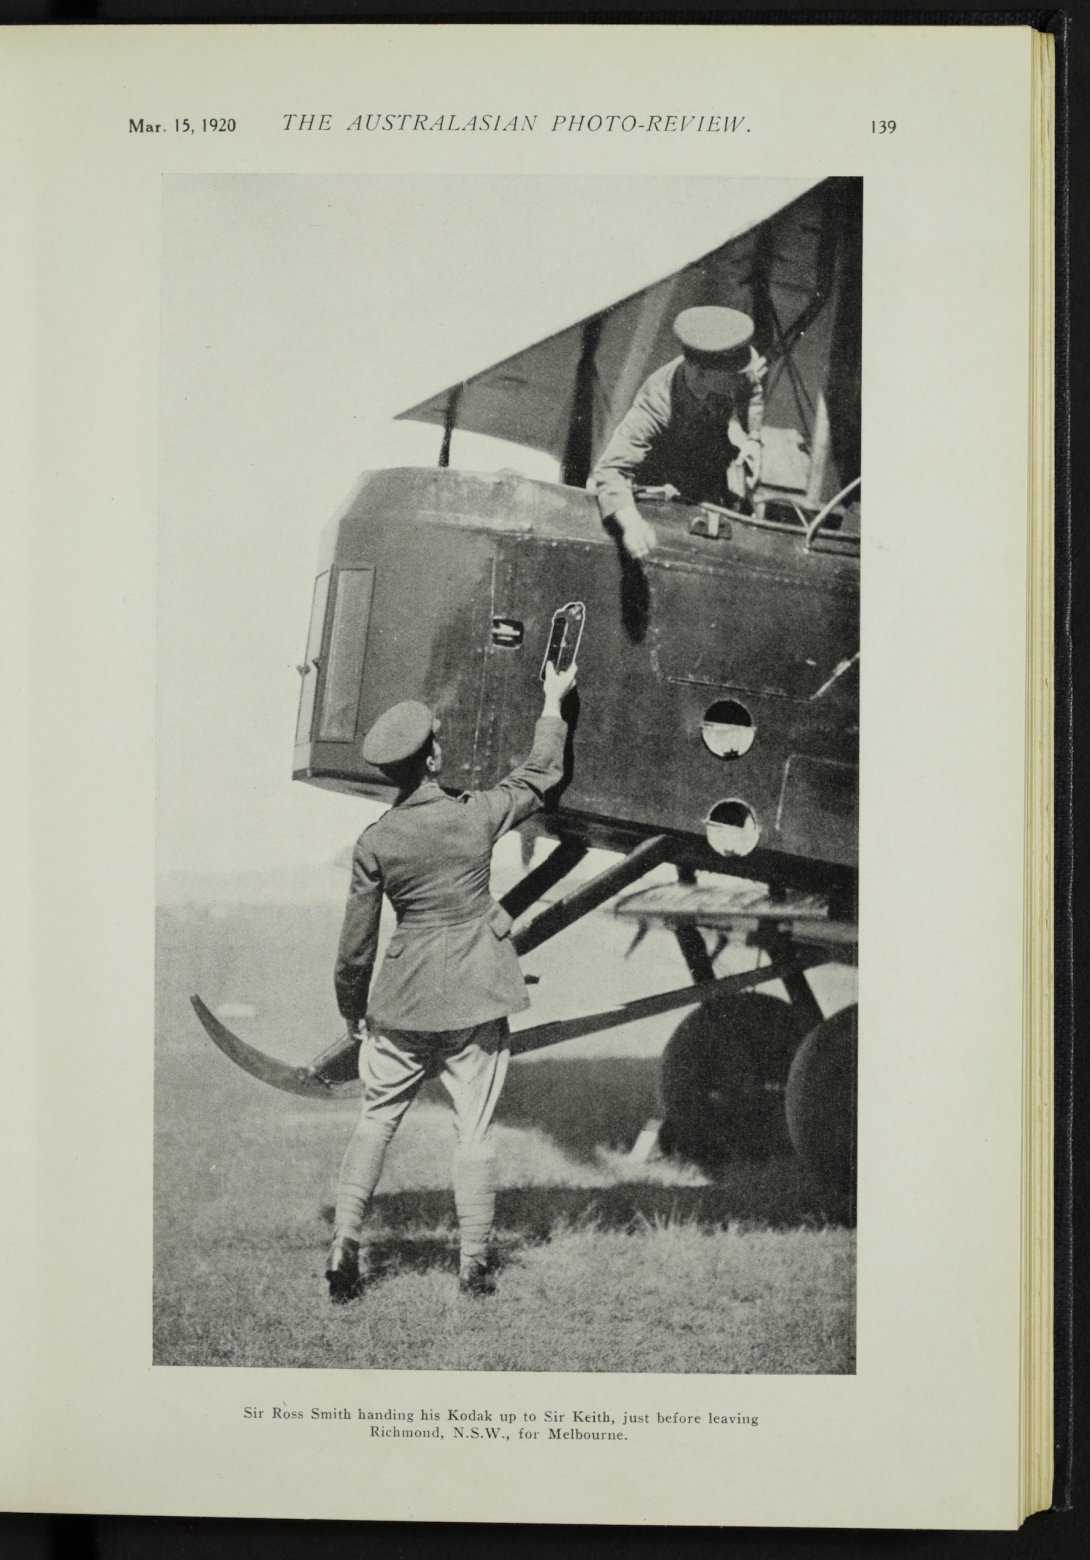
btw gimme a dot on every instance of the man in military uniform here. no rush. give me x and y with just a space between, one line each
695 426
450 976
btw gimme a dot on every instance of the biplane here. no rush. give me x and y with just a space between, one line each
718 728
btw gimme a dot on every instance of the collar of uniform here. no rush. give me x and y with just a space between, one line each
426 791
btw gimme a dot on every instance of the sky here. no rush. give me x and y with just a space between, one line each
299 314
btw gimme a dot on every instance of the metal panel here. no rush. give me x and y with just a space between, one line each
819 808
776 624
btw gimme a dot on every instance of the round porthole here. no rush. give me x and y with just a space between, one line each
727 729
731 828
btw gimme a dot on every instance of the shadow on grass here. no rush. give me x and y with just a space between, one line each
389 1255
779 1195
586 1104
762 1197
582 1103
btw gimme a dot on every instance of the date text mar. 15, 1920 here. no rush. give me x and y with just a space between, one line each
220 125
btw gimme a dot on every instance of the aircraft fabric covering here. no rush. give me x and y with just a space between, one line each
565 394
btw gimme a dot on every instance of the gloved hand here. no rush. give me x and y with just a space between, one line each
339 1062
637 534
558 684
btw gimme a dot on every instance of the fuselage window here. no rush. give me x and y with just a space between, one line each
309 669
344 660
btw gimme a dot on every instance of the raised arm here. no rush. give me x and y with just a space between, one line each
523 791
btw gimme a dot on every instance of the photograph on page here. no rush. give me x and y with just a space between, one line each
523 968
508 725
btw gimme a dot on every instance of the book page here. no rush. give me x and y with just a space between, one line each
240 255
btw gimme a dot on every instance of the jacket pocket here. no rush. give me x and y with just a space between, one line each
394 949
500 921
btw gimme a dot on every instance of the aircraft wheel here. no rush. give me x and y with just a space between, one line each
820 1101
724 1071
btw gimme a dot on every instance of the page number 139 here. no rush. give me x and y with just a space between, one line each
883 126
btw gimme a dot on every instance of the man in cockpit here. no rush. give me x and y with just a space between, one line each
695 426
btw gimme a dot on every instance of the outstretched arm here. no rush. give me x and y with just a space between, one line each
623 461
523 791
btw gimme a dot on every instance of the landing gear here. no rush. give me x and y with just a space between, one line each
820 1102
724 1073
748 1077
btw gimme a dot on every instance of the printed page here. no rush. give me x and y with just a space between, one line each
363 365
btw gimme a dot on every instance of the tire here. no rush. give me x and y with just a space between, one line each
820 1101
724 1072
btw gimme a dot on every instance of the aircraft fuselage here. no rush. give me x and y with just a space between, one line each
717 680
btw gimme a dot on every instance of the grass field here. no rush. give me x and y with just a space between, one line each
603 1264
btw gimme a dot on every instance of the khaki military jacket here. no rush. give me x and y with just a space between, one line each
450 963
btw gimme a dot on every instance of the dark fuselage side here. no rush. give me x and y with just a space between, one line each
440 585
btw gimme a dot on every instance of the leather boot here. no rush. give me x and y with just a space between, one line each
475 1281
342 1269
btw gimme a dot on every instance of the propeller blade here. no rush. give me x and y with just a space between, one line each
281 1075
